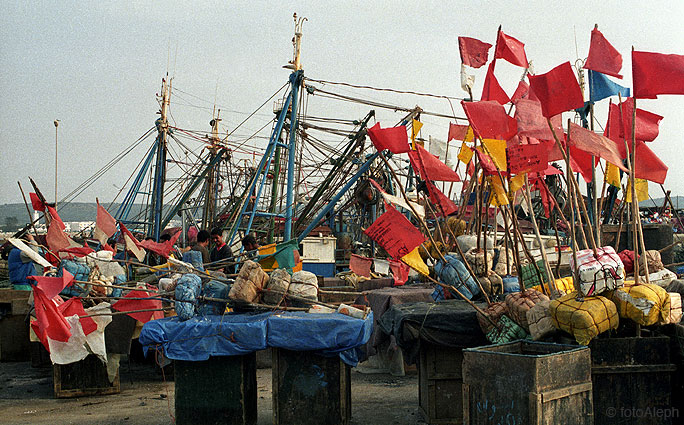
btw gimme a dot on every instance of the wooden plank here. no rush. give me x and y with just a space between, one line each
547 396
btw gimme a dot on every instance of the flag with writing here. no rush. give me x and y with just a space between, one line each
395 233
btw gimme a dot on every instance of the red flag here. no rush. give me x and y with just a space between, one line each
522 92
131 243
394 138
126 304
580 161
429 167
595 144
510 49
603 57
489 120
56 239
657 73
547 200
400 271
488 166
491 89
527 158
557 90
52 286
360 265
55 217
444 205
162 249
78 251
648 165
395 233
457 132
647 123
105 225
473 51
49 321
37 204
74 306
531 122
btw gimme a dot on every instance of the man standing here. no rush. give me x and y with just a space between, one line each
202 244
221 250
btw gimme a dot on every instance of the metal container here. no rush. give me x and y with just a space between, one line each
220 390
440 384
631 376
309 389
526 382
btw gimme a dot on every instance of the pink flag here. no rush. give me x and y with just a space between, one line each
522 92
56 239
457 132
489 120
132 244
50 323
162 249
595 144
531 122
400 271
360 265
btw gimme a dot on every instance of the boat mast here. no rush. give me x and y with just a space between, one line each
212 183
157 200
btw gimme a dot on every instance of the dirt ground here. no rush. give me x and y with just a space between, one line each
26 397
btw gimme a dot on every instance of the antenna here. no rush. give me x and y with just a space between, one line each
295 63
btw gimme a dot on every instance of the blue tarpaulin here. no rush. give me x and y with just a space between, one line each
199 338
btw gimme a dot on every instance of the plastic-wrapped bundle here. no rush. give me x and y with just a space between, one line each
652 258
277 286
519 303
646 304
304 284
476 259
249 282
510 284
213 289
118 280
188 288
508 331
564 285
584 318
662 278
492 283
467 242
675 308
105 266
597 275
500 260
80 271
530 276
494 311
453 272
194 258
540 321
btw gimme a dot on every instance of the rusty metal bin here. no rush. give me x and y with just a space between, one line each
631 377
527 382
87 377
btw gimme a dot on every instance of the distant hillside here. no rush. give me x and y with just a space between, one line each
677 201
76 211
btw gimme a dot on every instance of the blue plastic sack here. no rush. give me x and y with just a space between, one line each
188 288
510 284
118 280
213 289
194 258
454 272
80 271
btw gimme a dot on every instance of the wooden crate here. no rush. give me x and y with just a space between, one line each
220 390
631 373
84 378
526 382
309 389
440 384
14 333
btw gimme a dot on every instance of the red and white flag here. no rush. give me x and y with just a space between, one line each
105 225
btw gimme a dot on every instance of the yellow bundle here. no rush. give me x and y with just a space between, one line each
563 284
646 304
584 319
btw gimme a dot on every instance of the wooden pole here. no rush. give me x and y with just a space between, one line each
542 249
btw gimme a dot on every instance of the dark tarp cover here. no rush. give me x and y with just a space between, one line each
199 338
451 323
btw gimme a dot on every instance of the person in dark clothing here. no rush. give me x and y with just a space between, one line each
202 244
221 250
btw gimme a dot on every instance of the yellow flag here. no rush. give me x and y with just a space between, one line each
499 197
414 260
517 182
496 149
641 190
466 154
612 175
415 128
470 135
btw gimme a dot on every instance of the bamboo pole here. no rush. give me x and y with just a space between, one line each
549 273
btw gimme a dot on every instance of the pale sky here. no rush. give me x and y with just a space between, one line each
97 67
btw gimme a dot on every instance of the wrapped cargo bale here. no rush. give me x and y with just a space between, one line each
510 284
476 259
645 304
495 283
427 250
453 272
507 331
627 258
503 257
584 318
596 275
304 285
277 286
468 242
80 270
194 258
564 285
457 226
540 321
533 274
653 260
675 308
187 290
249 283
662 278
213 289
494 311
519 303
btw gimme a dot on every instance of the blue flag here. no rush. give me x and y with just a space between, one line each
600 87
